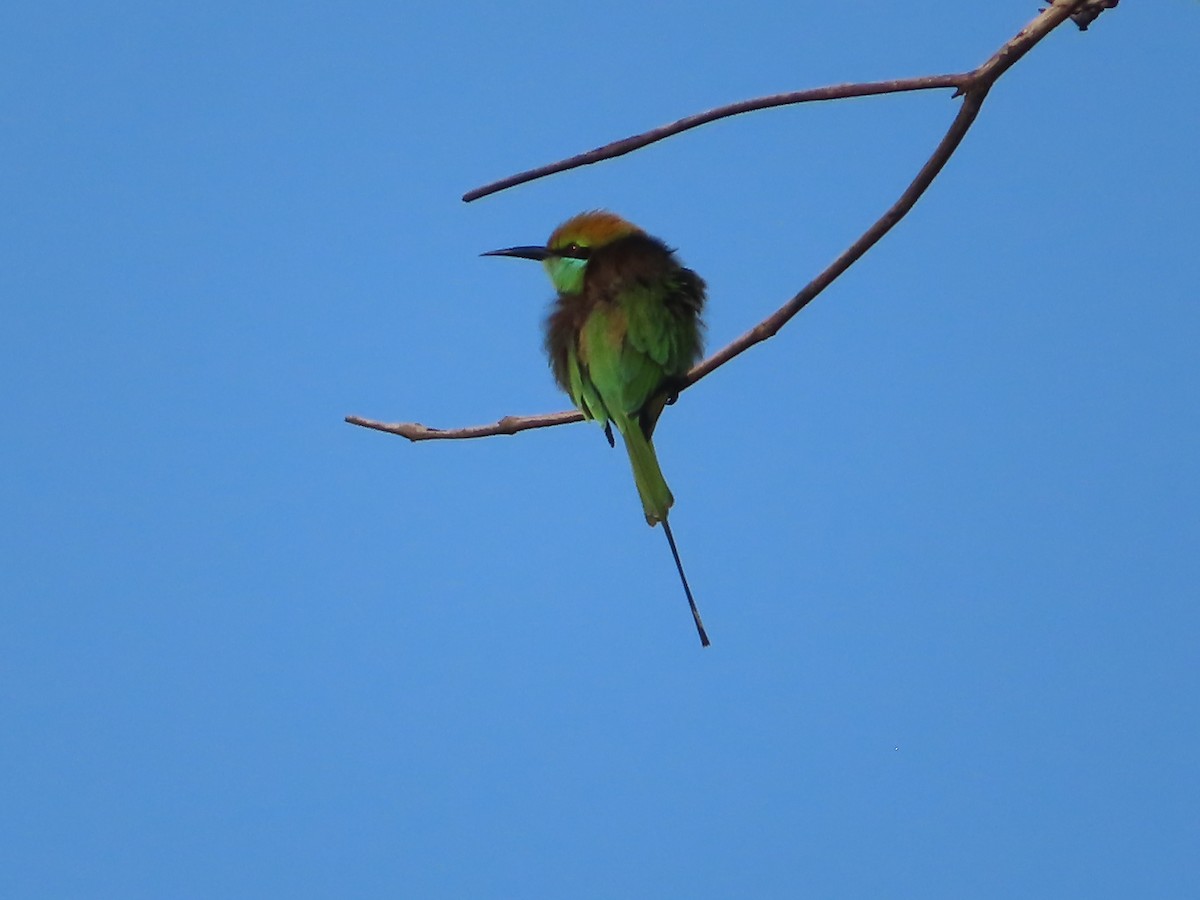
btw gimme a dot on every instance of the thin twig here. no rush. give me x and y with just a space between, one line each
974 86
415 431
637 141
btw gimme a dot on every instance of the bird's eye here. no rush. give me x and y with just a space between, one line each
575 251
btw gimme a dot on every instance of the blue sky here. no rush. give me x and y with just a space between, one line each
943 528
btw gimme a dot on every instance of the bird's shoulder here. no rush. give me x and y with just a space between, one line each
640 267
626 262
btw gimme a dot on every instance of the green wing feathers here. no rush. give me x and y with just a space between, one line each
659 327
628 352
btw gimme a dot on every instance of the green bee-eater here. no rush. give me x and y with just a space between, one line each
623 332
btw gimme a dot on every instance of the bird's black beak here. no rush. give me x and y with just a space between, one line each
538 253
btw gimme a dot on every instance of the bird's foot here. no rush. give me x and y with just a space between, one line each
673 387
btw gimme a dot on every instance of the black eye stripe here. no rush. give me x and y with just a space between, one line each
574 251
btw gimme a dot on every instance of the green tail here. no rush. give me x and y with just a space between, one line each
652 487
656 500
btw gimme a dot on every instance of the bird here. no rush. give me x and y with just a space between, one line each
621 336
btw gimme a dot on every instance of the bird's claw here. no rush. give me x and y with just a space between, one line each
673 389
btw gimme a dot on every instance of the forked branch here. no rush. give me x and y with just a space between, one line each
972 86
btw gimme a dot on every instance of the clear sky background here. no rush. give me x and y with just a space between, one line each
943 529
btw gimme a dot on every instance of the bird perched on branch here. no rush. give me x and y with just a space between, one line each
623 332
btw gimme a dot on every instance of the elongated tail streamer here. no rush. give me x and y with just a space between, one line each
686 588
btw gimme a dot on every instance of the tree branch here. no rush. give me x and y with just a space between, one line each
974 87
637 141
415 431
771 325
